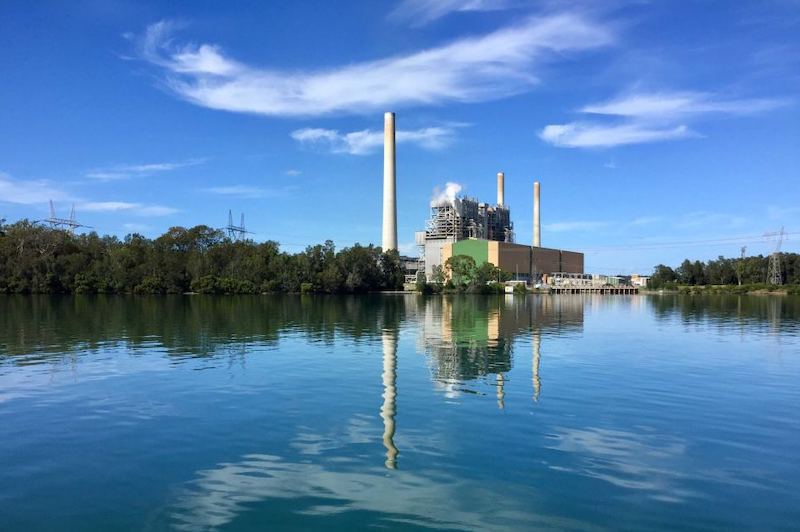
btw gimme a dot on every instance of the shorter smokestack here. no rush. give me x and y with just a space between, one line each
501 189
537 234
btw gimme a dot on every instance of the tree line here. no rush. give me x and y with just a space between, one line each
40 259
725 271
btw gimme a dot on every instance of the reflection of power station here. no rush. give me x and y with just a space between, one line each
470 339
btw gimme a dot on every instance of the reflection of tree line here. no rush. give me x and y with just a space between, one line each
196 325
727 310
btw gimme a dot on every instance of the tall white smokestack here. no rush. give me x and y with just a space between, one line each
501 189
537 232
389 185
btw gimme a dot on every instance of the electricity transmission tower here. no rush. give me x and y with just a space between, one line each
774 270
70 224
236 232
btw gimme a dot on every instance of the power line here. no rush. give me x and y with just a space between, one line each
716 241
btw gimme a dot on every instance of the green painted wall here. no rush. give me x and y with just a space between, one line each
477 249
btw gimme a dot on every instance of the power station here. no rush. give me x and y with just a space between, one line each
467 226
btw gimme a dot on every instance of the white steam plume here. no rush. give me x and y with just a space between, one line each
448 195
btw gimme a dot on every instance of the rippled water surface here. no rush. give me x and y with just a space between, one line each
243 413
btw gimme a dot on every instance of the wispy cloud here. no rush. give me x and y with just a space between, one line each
576 226
138 209
480 68
127 171
678 105
421 12
646 220
33 192
29 192
293 173
368 140
585 135
781 213
638 118
247 192
705 219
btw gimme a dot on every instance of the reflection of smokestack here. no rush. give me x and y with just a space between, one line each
388 409
537 234
389 185
501 189
501 394
537 347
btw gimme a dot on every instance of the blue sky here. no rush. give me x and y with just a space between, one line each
658 129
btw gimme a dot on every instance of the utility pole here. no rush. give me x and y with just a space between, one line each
774 270
740 265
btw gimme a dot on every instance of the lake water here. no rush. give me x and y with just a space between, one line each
399 412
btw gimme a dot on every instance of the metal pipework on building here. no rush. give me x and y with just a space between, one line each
389 240
537 235
501 189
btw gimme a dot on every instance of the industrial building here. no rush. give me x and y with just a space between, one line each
457 219
524 263
466 226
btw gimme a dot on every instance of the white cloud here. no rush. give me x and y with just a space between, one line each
649 117
293 173
583 135
487 67
127 171
420 12
29 192
33 192
675 105
245 191
138 209
107 206
646 220
367 140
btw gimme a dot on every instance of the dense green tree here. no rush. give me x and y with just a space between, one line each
663 276
39 259
460 270
726 271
